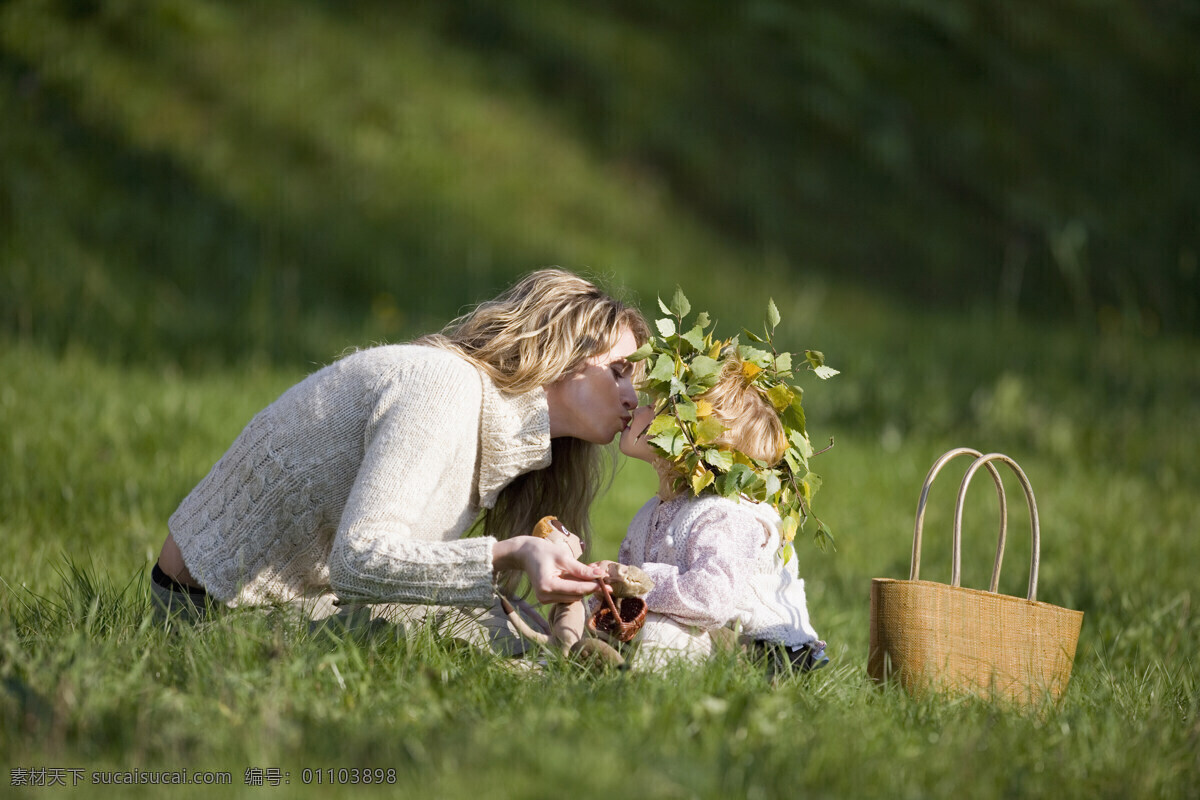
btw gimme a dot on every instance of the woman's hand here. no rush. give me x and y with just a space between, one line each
554 573
607 568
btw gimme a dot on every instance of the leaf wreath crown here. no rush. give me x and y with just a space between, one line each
681 365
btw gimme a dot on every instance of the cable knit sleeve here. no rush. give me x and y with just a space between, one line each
701 588
390 544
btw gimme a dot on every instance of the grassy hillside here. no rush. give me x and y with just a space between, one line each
207 179
175 189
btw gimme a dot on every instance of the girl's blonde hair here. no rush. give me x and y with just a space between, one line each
751 422
541 329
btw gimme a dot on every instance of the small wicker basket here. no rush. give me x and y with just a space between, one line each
620 622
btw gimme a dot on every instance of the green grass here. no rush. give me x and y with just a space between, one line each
96 456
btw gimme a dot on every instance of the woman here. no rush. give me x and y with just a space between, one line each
357 484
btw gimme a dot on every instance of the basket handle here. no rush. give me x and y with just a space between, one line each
608 598
956 557
1035 554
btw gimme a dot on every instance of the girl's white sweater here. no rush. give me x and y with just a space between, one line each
716 561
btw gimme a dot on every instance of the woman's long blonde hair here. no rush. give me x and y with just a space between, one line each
543 328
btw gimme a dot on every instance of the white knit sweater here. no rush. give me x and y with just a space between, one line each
359 481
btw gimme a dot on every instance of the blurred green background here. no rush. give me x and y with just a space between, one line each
197 181
987 215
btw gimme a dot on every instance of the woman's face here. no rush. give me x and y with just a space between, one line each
634 441
595 402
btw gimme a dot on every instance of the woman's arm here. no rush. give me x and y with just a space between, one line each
411 500
398 536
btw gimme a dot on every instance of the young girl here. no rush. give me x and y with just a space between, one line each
716 561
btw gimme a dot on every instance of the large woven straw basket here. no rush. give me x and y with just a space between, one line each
930 636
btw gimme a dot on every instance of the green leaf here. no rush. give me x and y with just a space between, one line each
686 409
772 314
793 416
666 434
656 390
806 490
754 337
705 367
815 358
823 536
664 368
641 353
801 443
752 354
787 499
663 306
679 304
666 327
738 477
783 362
772 483
702 320
708 430
756 487
694 337
670 443
721 459
825 373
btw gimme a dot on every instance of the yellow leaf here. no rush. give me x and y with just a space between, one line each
750 369
791 524
663 423
781 397
708 430
703 409
701 477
